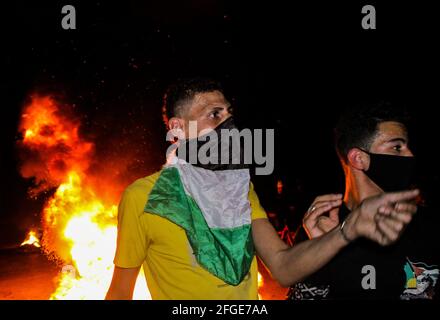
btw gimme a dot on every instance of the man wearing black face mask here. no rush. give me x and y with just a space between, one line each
372 144
218 149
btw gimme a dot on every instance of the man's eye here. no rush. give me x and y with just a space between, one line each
214 114
397 148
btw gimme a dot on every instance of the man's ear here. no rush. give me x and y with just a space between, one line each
176 129
358 159
175 123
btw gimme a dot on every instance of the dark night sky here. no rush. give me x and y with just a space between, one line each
289 68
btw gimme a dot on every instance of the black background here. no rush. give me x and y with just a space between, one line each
288 66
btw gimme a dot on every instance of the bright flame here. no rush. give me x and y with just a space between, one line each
79 225
260 284
31 240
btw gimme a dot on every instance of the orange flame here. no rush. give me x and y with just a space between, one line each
31 240
79 225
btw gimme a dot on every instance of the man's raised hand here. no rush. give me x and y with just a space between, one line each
315 222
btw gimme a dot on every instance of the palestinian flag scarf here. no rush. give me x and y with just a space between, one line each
213 208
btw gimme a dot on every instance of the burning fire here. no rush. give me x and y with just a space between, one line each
260 280
79 219
31 240
260 285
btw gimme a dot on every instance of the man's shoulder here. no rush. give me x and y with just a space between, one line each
142 186
425 220
424 227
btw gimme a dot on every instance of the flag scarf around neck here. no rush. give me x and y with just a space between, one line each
214 210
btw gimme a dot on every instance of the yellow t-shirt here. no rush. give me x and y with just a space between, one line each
171 269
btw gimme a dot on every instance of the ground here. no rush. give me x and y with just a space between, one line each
26 275
29 275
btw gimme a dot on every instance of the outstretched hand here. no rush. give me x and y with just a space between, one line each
382 218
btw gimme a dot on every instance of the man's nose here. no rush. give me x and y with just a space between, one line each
226 116
408 153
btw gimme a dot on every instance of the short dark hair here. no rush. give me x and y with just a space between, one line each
182 91
358 125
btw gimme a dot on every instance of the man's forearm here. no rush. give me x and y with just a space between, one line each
306 258
123 283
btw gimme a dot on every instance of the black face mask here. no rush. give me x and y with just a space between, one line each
391 173
235 155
